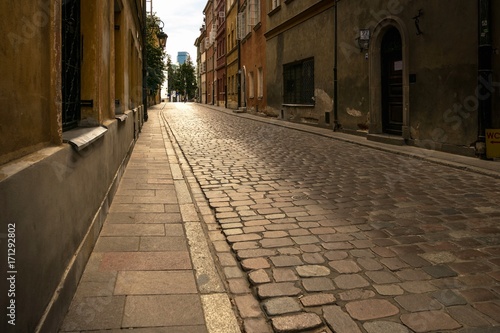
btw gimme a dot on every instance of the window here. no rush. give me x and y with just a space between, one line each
248 18
250 85
260 83
253 12
275 4
241 26
298 82
71 64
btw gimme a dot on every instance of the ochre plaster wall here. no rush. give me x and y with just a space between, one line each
56 196
29 103
298 43
442 101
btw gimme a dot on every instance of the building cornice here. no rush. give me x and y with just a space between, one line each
300 18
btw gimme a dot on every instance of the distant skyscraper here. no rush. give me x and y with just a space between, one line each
182 57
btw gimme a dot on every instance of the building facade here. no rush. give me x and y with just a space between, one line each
72 93
219 22
390 71
232 55
182 57
299 61
252 26
201 65
417 78
210 47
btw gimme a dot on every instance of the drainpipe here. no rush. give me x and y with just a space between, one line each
485 87
144 66
239 59
336 125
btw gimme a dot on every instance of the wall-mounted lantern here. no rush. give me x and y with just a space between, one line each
363 39
162 37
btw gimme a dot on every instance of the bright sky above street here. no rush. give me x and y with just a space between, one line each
183 19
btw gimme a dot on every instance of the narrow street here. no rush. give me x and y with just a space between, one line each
330 232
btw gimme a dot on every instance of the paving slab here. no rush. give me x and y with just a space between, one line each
163 310
92 313
134 261
155 283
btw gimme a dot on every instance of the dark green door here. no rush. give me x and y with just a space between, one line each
392 82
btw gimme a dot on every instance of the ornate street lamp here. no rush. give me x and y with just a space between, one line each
162 37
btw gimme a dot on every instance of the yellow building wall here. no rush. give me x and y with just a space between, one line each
30 112
56 195
231 58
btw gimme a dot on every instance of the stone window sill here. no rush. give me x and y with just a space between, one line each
81 137
299 105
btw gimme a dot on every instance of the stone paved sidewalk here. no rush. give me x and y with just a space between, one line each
152 268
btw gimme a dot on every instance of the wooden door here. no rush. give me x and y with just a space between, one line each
392 83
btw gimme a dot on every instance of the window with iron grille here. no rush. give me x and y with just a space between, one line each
70 63
298 82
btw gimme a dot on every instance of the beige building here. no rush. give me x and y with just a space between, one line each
251 29
299 60
405 72
201 65
232 55
210 52
71 90
415 77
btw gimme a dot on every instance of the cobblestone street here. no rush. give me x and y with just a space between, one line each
338 237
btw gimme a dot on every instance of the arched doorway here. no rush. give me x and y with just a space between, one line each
393 34
392 82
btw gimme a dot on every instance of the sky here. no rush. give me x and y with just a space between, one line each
183 19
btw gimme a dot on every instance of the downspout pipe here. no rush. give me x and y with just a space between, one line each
336 125
485 86
239 61
144 65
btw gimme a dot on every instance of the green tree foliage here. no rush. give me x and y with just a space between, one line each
154 56
182 78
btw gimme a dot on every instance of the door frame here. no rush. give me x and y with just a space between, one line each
375 75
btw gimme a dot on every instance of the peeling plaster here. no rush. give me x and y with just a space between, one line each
354 112
323 100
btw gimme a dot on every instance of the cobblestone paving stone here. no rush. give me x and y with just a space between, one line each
342 237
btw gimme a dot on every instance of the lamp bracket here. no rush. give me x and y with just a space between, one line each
417 21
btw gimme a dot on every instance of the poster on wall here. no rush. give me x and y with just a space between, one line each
493 143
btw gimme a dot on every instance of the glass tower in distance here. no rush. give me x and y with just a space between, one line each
182 57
